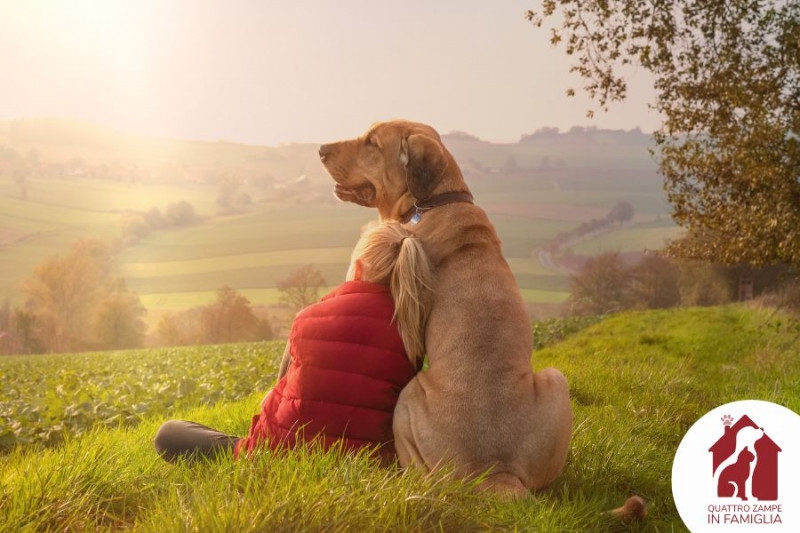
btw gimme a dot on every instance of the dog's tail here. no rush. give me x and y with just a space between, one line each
634 508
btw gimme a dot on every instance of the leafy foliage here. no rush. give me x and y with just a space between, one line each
230 318
606 284
45 398
727 76
76 303
554 330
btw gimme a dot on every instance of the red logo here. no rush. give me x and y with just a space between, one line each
741 476
745 462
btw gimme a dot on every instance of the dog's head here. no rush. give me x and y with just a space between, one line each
391 166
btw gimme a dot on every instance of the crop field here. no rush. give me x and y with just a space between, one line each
46 398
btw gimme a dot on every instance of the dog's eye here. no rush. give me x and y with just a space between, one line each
370 141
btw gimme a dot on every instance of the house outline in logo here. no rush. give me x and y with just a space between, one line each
745 461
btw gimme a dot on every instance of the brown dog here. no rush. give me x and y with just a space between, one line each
479 407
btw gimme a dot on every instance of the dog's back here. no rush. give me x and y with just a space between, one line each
474 406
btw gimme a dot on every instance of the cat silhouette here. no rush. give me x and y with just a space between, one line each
733 479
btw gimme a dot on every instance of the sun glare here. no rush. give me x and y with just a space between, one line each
100 52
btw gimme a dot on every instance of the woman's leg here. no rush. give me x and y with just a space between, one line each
182 438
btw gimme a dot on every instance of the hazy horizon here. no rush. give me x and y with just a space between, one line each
311 71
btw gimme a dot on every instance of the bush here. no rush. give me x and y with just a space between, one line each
554 330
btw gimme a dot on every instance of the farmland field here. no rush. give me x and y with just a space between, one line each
48 397
290 221
651 236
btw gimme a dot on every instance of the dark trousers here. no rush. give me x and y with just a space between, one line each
182 438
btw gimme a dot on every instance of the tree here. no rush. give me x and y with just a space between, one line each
23 332
134 227
178 329
154 219
231 319
654 283
301 288
180 213
602 286
226 192
63 291
704 284
119 320
727 78
622 212
73 295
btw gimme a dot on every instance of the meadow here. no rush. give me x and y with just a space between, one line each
638 381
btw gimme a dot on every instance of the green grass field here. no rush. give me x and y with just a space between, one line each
638 382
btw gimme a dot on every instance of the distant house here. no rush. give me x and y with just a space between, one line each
765 473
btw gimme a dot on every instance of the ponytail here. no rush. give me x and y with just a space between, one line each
393 256
410 285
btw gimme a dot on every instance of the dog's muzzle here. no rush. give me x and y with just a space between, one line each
324 151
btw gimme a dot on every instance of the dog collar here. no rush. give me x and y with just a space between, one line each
414 215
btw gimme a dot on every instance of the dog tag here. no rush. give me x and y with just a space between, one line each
416 218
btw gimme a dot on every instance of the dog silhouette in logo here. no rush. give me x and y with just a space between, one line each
737 469
733 480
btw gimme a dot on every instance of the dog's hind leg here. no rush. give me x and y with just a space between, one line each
553 425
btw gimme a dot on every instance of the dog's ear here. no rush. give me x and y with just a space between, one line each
425 163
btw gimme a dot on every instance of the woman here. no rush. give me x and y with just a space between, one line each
346 360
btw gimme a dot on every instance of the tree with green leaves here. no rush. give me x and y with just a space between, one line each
727 80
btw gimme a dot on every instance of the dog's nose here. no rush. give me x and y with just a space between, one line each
324 150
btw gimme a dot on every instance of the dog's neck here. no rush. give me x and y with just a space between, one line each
414 215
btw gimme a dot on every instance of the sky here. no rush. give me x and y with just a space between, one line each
282 71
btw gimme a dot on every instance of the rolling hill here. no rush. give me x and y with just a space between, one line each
62 180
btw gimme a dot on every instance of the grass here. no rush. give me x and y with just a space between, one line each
638 381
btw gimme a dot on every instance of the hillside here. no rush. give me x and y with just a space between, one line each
638 382
62 180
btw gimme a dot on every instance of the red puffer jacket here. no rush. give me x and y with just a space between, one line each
348 368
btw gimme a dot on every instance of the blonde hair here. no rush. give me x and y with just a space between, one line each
391 255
